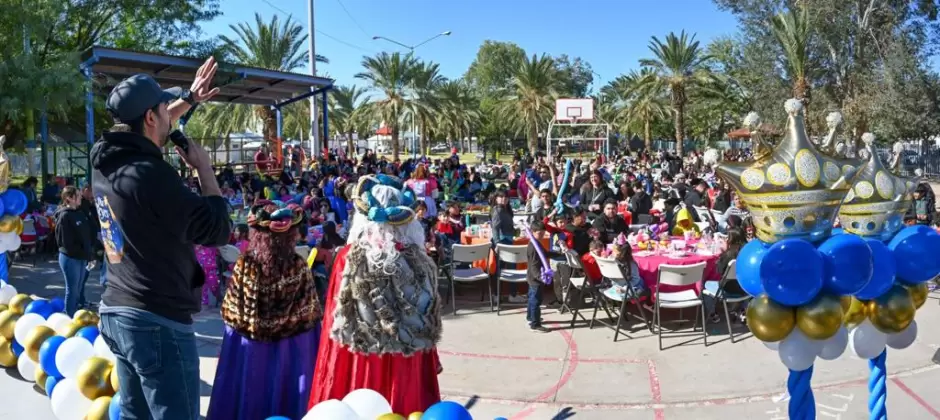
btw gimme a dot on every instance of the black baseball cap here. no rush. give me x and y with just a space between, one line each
131 98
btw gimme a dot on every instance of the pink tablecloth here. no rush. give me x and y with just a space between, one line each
649 267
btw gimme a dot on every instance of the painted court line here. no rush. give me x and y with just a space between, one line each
565 377
933 412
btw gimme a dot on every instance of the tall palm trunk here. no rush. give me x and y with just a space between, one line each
533 137
350 145
680 127
423 141
801 91
647 134
395 149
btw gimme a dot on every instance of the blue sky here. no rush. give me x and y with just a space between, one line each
610 34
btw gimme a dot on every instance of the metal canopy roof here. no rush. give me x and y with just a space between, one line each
239 84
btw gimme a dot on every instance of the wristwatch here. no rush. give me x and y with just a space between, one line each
188 97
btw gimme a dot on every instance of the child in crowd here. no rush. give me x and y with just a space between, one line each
737 238
534 275
622 252
208 259
921 210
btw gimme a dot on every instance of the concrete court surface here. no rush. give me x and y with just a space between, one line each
498 368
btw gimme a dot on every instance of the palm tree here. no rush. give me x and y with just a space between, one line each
427 104
459 112
272 45
347 112
390 74
679 65
532 96
792 30
638 100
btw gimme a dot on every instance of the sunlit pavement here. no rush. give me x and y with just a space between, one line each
500 369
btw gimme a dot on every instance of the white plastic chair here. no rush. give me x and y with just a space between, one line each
468 254
509 254
679 276
717 215
610 270
716 289
637 228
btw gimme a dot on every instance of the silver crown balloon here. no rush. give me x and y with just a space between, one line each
792 191
876 204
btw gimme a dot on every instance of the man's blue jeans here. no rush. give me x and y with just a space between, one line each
75 276
533 313
158 366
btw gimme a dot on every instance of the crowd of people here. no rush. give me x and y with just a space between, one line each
360 306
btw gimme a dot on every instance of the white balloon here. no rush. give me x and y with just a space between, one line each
68 403
27 368
331 409
59 323
834 346
368 404
15 242
71 354
7 292
25 325
773 345
102 350
903 339
797 352
866 341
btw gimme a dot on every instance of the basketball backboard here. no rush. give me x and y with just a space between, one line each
568 109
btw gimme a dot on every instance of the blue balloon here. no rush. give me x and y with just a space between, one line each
89 333
277 418
915 252
50 384
847 263
883 270
114 410
17 348
58 304
792 272
47 355
40 307
14 202
837 231
446 410
748 267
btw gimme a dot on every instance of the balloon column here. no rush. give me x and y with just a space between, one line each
65 356
801 277
368 404
12 205
882 313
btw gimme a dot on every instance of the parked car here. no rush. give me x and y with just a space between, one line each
440 148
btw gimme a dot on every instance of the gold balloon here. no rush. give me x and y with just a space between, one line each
11 224
72 329
19 303
390 416
7 323
919 294
99 409
34 340
769 320
893 311
820 318
39 377
115 385
85 318
856 313
7 356
846 302
3 307
415 416
94 378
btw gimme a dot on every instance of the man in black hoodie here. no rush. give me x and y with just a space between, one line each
149 223
610 224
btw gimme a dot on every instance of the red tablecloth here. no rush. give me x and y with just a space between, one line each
649 268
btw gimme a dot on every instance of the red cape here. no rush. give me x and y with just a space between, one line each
408 383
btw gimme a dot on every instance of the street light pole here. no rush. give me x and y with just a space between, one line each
411 49
312 62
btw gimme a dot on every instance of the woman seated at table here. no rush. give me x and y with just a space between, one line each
737 209
736 239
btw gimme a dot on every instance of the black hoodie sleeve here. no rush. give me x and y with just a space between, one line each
197 219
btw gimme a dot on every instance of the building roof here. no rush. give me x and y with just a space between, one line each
239 84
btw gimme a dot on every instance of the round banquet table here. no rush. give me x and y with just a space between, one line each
649 268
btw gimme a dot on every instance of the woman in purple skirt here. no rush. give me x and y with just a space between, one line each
272 324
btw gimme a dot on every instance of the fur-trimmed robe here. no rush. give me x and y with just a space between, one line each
378 313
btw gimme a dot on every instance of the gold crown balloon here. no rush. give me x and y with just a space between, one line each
876 204
792 190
